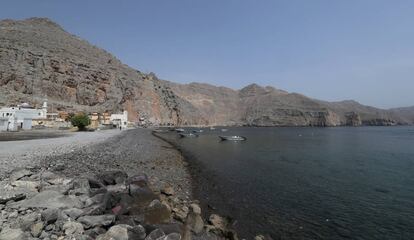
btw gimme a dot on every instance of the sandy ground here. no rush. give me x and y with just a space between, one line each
28 153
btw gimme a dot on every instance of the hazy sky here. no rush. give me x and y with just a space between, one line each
331 49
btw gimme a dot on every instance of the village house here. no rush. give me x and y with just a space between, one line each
119 120
20 117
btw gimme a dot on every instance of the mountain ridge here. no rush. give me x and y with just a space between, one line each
39 59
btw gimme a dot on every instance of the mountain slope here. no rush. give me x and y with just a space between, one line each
38 60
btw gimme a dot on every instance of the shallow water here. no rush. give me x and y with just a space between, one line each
309 183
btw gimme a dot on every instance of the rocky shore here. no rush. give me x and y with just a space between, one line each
131 186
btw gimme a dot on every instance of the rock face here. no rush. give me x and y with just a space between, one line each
38 60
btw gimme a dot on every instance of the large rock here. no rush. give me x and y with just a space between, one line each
94 221
36 229
50 215
112 177
18 192
50 199
28 220
194 221
157 212
19 173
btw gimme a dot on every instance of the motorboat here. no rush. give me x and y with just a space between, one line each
179 130
183 135
197 131
233 138
160 130
224 130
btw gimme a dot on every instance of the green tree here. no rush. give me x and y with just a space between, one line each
80 120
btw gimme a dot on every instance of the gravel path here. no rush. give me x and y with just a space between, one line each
134 151
28 153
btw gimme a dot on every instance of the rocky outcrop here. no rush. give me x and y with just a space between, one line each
38 60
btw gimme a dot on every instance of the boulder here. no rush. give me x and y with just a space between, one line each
116 233
138 180
112 177
218 222
36 229
157 213
19 173
72 228
28 220
12 234
73 213
50 199
30 185
94 221
194 220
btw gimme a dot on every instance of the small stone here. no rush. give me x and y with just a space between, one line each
173 236
14 214
168 190
36 229
72 228
156 235
94 221
259 237
50 215
73 213
195 208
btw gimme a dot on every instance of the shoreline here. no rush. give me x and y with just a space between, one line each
131 181
199 186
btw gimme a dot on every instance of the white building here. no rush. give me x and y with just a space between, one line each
20 117
119 120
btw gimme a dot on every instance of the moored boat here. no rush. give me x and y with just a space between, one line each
197 131
233 138
179 130
183 135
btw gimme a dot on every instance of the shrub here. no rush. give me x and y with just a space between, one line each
80 120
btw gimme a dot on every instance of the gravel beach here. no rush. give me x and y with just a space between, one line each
28 153
133 151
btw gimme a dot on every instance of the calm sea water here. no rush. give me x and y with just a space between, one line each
308 183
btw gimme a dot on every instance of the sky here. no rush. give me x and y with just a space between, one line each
325 49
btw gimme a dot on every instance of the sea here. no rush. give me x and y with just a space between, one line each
306 183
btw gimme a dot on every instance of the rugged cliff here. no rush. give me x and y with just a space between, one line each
38 60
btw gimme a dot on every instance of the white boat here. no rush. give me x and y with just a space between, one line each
183 135
179 130
233 138
197 131
224 130
212 128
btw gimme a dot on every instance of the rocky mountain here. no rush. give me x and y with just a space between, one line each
39 59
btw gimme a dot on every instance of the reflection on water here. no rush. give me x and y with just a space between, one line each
309 183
